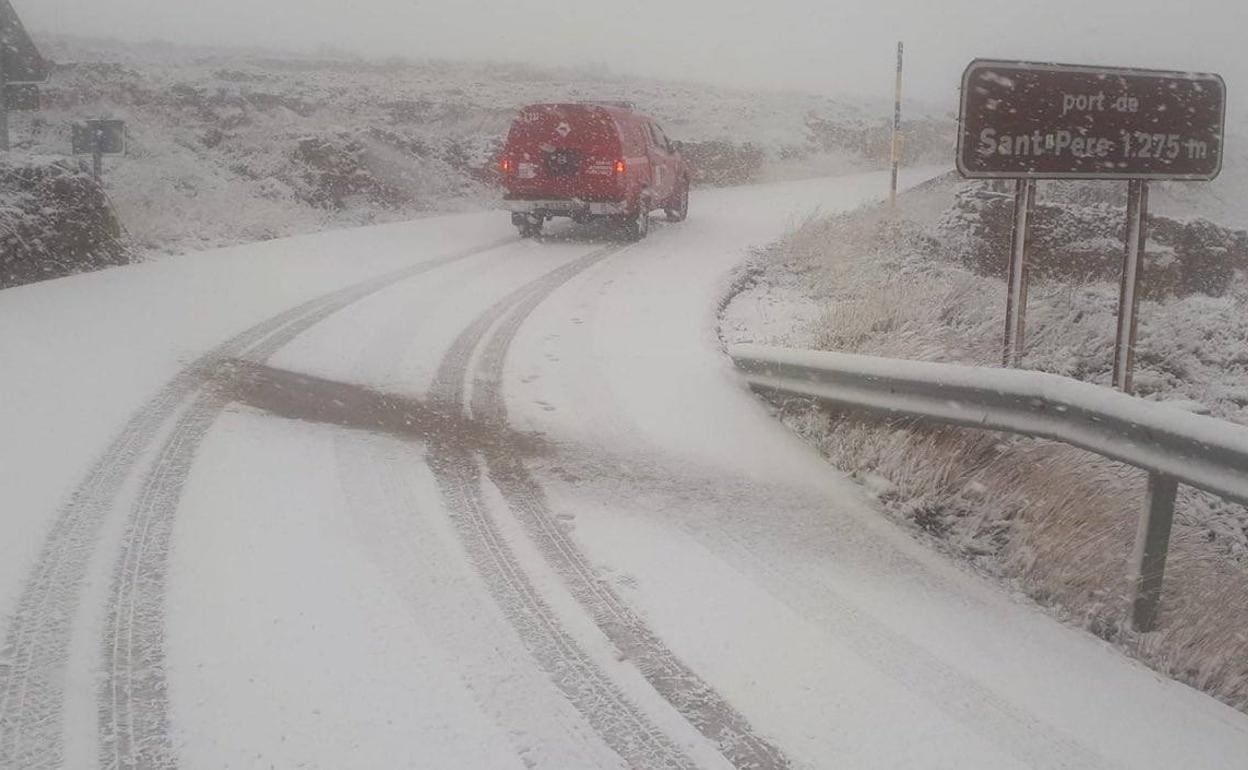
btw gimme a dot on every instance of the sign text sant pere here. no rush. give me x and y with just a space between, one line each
1053 121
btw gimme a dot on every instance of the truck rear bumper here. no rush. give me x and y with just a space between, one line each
566 207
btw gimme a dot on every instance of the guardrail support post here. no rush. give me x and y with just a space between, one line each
1152 540
1016 298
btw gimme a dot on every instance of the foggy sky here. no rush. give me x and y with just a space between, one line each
841 46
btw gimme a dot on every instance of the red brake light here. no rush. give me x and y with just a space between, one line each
506 165
620 167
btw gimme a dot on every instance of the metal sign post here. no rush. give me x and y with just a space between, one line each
1016 297
1132 273
895 152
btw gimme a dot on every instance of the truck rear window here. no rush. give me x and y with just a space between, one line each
591 130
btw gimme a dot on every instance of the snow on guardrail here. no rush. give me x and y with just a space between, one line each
1172 444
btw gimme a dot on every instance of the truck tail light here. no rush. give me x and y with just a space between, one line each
507 165
620 167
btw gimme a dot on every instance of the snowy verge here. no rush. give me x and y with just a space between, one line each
1050 519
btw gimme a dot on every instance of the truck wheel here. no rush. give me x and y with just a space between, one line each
530 229
678 208
637 227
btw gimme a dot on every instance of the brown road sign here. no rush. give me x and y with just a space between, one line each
1059 121
20 61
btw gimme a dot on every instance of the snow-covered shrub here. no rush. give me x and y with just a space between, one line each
923 141
334 171
718 163
54 220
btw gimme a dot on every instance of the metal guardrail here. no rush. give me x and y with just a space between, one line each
1173 445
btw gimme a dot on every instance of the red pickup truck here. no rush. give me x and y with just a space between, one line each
591 161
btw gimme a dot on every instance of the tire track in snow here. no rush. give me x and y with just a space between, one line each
404 531
712 519
624 728
37 640
983 711
134 713
688 693
134 705
977 706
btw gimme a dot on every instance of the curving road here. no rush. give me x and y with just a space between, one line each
426 495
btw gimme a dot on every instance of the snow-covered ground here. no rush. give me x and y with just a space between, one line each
232 146
1056 522
424 495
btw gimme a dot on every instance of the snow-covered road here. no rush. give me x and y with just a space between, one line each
425 495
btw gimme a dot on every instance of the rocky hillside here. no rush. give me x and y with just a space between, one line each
235 146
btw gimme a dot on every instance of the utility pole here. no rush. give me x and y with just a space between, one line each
895 154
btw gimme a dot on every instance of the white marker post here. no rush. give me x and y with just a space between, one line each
895 153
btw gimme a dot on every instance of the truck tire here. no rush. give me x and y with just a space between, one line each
637 227
677 209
